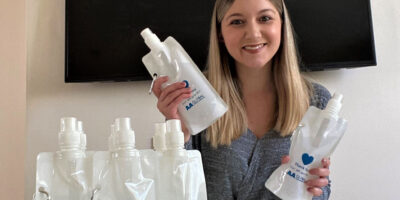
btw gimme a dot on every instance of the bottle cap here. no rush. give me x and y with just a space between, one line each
159 136
124 135
151 40
83 135
174 138
333 107
69 137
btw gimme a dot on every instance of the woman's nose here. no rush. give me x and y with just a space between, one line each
253 30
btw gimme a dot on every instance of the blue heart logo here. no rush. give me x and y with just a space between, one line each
307 159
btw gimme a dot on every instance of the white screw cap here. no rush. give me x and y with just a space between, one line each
174 138
151 40
160 130
334 105
124 135
83 135
69 137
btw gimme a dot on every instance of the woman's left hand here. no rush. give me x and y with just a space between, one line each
315 185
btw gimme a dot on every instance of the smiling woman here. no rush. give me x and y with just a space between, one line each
252 64
252 38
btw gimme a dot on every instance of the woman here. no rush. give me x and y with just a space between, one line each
253 65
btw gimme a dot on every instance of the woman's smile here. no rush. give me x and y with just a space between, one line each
254 48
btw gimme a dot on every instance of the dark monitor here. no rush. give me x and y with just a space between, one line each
333 34
103 42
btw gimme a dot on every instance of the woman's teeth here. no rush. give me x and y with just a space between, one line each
254 47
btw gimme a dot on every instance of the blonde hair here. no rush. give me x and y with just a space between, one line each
293 91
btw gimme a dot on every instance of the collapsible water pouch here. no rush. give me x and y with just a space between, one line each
123 172
71 166
123 178
150 160
315 138
180 175
168 58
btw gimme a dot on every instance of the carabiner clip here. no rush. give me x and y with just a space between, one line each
43 191
152 83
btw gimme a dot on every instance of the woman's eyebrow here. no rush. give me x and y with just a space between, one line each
266 10
259 12
234 15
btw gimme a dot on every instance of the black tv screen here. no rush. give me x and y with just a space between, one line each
103 42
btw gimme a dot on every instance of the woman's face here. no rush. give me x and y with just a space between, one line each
251 31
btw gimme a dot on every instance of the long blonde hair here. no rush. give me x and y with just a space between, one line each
293 91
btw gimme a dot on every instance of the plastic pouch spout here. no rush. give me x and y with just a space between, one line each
174 138
329 117
124 136
159 62
71 141
159 137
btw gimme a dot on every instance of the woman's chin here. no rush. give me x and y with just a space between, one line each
255 65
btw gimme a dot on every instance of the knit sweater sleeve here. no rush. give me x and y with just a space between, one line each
194 142
320 96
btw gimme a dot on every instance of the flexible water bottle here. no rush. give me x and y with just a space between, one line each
180 175
124 178
316 138
71 162
70 166
168 58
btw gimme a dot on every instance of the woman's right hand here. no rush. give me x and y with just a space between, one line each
170 97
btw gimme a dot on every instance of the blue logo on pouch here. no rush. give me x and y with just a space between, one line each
292 174
307 159
189 106
187 83
296 176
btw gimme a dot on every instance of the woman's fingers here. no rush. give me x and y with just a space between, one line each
285 159
315 191
174 95
321 172
171 111
326 162
157 85
174 105
319 182
170 97
172 101
315 185
171 88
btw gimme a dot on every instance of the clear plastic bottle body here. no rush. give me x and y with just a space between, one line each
123 172
316 138
123 178
64 175
70 167
205 106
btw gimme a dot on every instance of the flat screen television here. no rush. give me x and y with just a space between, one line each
103 42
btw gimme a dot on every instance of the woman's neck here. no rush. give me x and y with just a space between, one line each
259 98
255 80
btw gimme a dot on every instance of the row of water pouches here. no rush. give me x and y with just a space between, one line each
167 172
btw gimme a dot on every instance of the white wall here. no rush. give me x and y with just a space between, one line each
363 167
12 98
364 164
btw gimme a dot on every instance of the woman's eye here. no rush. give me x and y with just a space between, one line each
265 18
236 22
